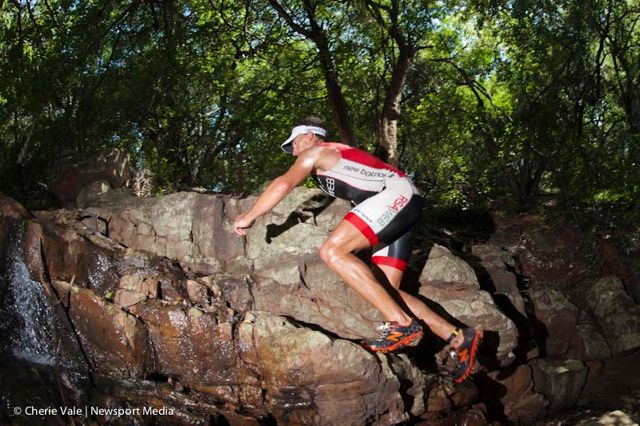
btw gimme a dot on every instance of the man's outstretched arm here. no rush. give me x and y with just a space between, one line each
276 191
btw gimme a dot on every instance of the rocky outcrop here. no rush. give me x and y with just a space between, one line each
136 315
161 296
75 177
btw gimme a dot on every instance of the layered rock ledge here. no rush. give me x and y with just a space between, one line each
155 301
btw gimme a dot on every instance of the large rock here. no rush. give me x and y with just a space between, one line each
443 266
10 208
281 251
497 276
613 263
557 321
194 346
252 329
328 381
89 193
560 381
615 313
588 342
113 167
191 228
114 342
296 227
476 308
520 403
453 285
136 317
95 262
196 229
313 294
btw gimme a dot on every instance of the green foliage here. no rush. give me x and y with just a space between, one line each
502 98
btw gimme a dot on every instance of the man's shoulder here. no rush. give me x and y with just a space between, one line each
325 156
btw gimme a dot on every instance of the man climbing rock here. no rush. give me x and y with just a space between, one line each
387 206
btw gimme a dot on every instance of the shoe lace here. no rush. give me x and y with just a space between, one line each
454 356
385 328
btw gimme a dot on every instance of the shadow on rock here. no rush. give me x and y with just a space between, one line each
309 209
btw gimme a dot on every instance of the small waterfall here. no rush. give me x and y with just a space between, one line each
25 311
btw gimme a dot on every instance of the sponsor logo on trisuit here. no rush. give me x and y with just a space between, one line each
392 210
363 171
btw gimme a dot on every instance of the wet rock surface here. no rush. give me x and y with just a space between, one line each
157 303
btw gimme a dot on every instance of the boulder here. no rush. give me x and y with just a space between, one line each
443 266
296 227
328 381
55 253
623 267
10 208
520 403
453 285
615 313
313 294
496 275
113 167
196 229
546 254
161 291
263 366
476 308
588 342
90 192
557 321
194 346
560 381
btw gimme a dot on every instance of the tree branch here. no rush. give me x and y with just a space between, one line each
289 19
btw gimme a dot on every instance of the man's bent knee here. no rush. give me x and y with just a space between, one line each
330 252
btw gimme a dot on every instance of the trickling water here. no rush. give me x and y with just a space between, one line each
25 313
97 274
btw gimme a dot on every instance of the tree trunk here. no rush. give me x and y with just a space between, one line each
387 148
388 121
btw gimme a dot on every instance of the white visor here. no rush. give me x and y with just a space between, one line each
301 130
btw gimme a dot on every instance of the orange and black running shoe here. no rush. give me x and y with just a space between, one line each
464 356
395 336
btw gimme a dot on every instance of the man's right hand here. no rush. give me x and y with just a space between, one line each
241 223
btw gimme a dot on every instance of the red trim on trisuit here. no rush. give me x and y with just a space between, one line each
362 226
390 261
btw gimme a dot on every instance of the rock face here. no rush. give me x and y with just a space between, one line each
558 319
160 298
615 312
256 363
520 402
